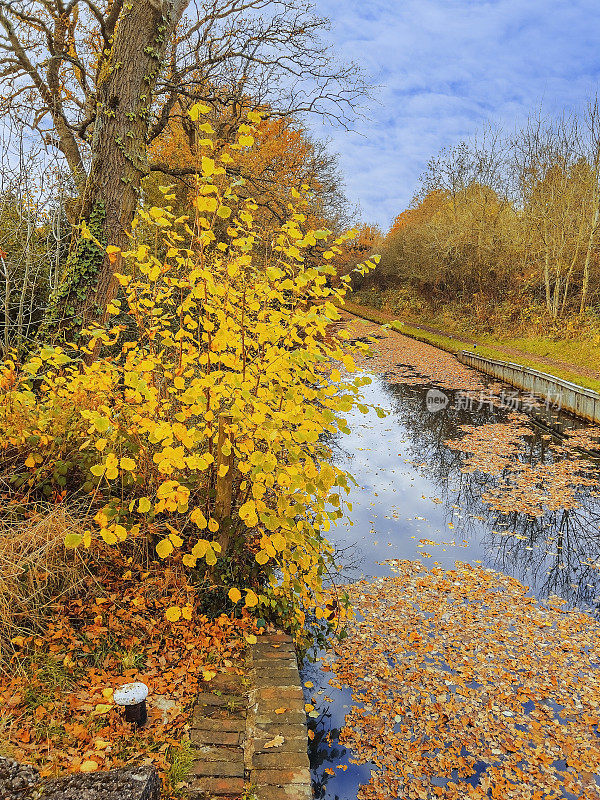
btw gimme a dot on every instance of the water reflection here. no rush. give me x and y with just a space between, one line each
413 502
555 554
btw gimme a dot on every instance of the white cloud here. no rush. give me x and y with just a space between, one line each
445 67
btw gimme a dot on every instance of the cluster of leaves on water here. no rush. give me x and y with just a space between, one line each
404 360
463 685
225 377
466 687
495 449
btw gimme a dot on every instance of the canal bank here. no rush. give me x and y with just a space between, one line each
556 393
587 377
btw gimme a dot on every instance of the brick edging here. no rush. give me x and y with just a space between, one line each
250 732
218 732
276 734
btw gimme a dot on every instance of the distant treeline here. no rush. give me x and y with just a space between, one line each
512 220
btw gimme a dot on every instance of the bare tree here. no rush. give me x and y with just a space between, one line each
556 181
104 78
592 122
33 235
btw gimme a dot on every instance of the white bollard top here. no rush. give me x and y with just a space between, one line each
131 694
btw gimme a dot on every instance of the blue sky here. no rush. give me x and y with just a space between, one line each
445 68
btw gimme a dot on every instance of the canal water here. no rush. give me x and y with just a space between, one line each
412 501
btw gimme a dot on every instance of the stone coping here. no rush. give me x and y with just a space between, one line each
22 782
250 732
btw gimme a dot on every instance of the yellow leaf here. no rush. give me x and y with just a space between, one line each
128 464
210 556
208 166
108 536
101 708
164 548
197 109
198 518
248 513
278 541
234 595
30 462
208 674
186 612
88 766
101 744
144 505
73 540
262 557
173 613
251 599
250 638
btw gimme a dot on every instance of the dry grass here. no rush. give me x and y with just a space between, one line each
36 570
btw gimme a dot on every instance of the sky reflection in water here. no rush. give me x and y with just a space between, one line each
410 488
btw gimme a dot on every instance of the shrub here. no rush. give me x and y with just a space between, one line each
203 434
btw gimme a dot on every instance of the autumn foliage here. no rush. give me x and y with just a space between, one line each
189 434
57 697
216 371
283 155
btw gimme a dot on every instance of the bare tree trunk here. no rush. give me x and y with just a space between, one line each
110 195
585 284
547 274
6 305
25 283
572 267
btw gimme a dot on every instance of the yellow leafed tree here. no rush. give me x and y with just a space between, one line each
200 424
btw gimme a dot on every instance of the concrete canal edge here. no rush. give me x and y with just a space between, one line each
250 733
583 403
577 400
